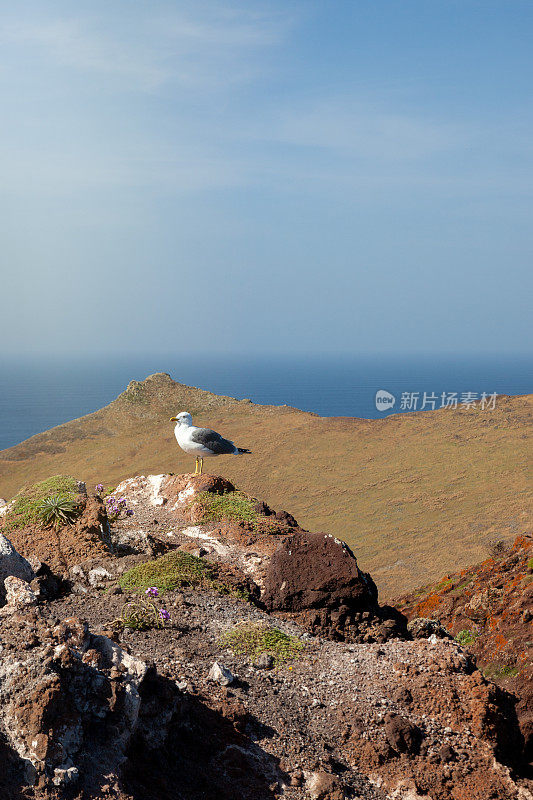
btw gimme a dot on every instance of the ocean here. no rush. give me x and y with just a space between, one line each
36 394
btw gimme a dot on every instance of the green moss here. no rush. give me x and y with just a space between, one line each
177 569
27 504
235 506
530 564
253 639
461 587
465 637
495 671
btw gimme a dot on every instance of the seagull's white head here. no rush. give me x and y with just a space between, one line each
183 418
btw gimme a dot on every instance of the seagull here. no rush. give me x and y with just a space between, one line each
203 442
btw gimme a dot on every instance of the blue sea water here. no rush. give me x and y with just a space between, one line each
36 394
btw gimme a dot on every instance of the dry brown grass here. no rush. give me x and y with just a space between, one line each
414 495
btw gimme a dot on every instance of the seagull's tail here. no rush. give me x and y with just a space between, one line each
241 450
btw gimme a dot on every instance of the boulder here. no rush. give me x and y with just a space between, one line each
316 570
12 564
423 628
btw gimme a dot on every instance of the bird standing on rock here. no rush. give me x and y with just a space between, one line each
202 442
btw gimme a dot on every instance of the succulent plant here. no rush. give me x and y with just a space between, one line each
58 509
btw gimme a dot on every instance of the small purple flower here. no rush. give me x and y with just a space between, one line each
129 512
99 487
111 501
122 501
153 591
163 613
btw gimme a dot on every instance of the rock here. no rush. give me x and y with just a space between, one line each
423 628
288 519
402 735
323 785
18 593
65 777
72 544
126 541
447 753
262 509
264 661
99 577
220 674
180 490
60 709
478 607
45 584
142 488
315 570
12 564
403 696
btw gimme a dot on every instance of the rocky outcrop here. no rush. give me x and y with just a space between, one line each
312 576
69 700
315 578
12 564
488 608
295 684
71 544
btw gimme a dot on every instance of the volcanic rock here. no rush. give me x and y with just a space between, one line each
12 564
315 570
60 709
423 628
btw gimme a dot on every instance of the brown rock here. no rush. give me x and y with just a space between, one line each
315 570
402 735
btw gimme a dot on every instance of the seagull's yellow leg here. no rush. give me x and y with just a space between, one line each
196 467
201 466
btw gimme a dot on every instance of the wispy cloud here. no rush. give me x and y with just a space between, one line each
364 131
178 46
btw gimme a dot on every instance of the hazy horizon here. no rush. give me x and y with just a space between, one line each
230 177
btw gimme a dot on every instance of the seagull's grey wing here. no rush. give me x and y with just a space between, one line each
213 441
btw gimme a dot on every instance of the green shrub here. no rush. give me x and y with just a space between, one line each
252 639
235 506
495 671
141 615
176 569
167 573
58 510
465 637
27 504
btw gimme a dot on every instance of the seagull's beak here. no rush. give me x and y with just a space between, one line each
173 419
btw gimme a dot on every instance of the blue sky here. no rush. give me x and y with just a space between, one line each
284 176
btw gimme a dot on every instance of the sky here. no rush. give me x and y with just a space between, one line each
343 176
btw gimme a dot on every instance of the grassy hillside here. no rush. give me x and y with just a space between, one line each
414 495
